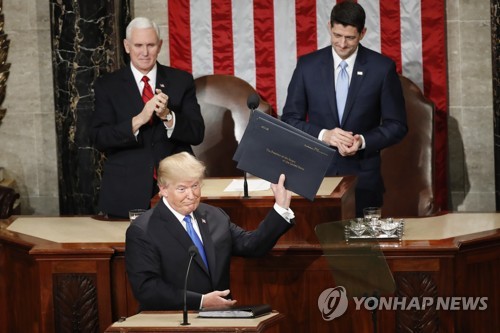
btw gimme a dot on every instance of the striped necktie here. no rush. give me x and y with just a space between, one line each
341 88
196 240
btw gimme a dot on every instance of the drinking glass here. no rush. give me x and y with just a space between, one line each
371 212
134 213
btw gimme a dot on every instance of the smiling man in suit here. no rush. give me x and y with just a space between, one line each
351 98
143 113
158 242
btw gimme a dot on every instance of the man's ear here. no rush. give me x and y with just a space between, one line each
126 46
363 32
163 190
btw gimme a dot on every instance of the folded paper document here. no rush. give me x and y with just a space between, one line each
250 311
270 147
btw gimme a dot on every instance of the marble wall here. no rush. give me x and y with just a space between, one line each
470 122
28 143
27 133
495 41
86 43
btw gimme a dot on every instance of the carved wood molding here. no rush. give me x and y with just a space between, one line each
75 303
417 284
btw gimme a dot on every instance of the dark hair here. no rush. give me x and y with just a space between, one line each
348 13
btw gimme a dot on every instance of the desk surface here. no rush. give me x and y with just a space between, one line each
214 188
173 320
89 230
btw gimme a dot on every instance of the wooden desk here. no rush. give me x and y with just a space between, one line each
65 274
170 322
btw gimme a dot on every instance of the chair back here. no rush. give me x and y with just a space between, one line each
223 103
8 197
408 167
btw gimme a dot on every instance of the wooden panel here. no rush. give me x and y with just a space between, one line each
291 278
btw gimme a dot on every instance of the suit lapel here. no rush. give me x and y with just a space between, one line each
162 79
174 227
358 74
329 83
131 92
207 240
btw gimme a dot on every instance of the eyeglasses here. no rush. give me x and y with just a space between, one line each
183 189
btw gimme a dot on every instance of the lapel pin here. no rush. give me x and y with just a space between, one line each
203 221
359 73
162 85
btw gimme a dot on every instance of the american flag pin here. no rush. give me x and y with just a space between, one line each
359 73
162 85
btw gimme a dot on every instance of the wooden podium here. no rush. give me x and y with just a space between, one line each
64 274
171 322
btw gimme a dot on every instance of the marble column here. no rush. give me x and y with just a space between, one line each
4 66
86 43
495 44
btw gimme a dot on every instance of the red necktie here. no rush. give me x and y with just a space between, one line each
147 93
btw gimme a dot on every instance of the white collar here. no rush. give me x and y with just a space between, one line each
138 75
350 61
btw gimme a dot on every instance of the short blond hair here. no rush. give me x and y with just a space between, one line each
180 167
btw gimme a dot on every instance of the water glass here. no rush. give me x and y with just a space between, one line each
135 213
371 212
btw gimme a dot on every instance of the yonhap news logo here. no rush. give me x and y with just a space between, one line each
333 303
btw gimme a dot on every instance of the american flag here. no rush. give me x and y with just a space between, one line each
260 41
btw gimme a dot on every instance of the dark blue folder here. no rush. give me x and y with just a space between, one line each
270 147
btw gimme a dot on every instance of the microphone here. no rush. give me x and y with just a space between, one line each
253 103
193 251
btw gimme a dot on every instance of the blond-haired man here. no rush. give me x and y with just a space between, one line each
158 242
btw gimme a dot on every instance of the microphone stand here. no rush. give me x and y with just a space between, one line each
245 186
245 181
252 103
192 253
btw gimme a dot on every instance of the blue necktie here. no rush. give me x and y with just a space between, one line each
342 88
196 240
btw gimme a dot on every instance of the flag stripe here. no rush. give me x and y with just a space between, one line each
411 41
222 36
179 34
372 39
323 9
305 17
435 87
285 47
264 43
390 29
244 41
201 37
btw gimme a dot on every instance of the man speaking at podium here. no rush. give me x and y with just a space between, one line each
158 242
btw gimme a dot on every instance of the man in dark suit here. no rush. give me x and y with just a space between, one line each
367 118
157 242
143 113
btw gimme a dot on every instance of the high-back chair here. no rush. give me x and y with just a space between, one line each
408 167
8 197
223 102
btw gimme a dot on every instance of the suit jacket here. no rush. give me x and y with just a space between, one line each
156 254
375 108
127 179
